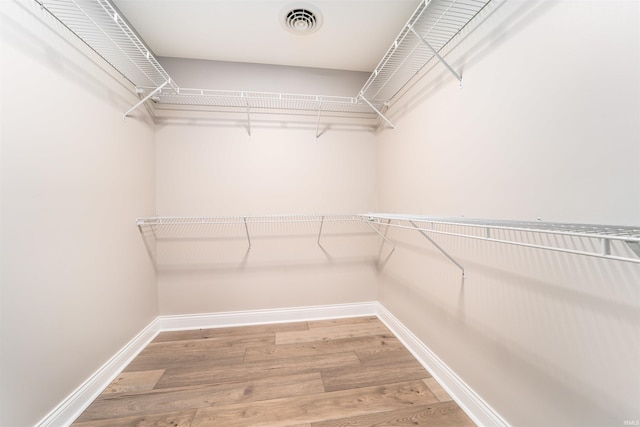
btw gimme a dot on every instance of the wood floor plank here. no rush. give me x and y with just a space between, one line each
165 419
134 381
186 376
317 407
440 414
368 375
342 321
437 390
384 355
163 400
366 344
171 354
227 332
331 333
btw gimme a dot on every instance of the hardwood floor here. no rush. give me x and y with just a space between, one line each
342 372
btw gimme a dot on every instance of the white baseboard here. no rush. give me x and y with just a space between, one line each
257 317
477 409
67 411
481 413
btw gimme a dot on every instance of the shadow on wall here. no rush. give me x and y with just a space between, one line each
237 246
49 49
545 338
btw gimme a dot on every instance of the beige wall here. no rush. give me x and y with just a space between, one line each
221 75
209 170
77 284
546 126
204 169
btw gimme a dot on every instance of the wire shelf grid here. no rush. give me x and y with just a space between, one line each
620 243
437 21
101 27
241 100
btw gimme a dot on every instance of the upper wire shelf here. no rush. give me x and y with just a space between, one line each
241 100
430 28
99 24
102 28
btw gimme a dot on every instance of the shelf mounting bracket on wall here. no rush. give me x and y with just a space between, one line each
438 247
248 118
361 96
246 228
436 54
318 123
145 99
385 238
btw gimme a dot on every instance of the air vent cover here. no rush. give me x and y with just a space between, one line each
301 19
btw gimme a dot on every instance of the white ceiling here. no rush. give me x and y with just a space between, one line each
355 34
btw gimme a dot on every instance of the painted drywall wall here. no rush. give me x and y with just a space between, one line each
542 127
204 169
220 75
264 164
77 283
546 126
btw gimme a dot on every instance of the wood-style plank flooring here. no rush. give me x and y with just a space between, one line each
342 372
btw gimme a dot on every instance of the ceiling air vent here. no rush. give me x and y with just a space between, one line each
301 19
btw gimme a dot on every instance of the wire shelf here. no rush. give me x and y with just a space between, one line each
437 22
241 100
226 220
614 242
621 243
100 26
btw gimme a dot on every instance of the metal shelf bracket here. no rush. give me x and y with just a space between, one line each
377 111
246 228
320 231
385 238
145 99
436 54
426 236
318 123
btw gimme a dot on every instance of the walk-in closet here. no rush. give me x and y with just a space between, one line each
320 213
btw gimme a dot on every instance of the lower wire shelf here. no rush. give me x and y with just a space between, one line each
617 243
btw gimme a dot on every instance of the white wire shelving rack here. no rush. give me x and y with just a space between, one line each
616 243
167 229
434 23
619 243
102 28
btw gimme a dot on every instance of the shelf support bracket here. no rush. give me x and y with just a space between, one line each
145 99
438 247
381 235
248 120
246 229
436 54
318 123
376 110
320 232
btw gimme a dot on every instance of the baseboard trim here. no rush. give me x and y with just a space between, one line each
257 317
71 408
477 409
